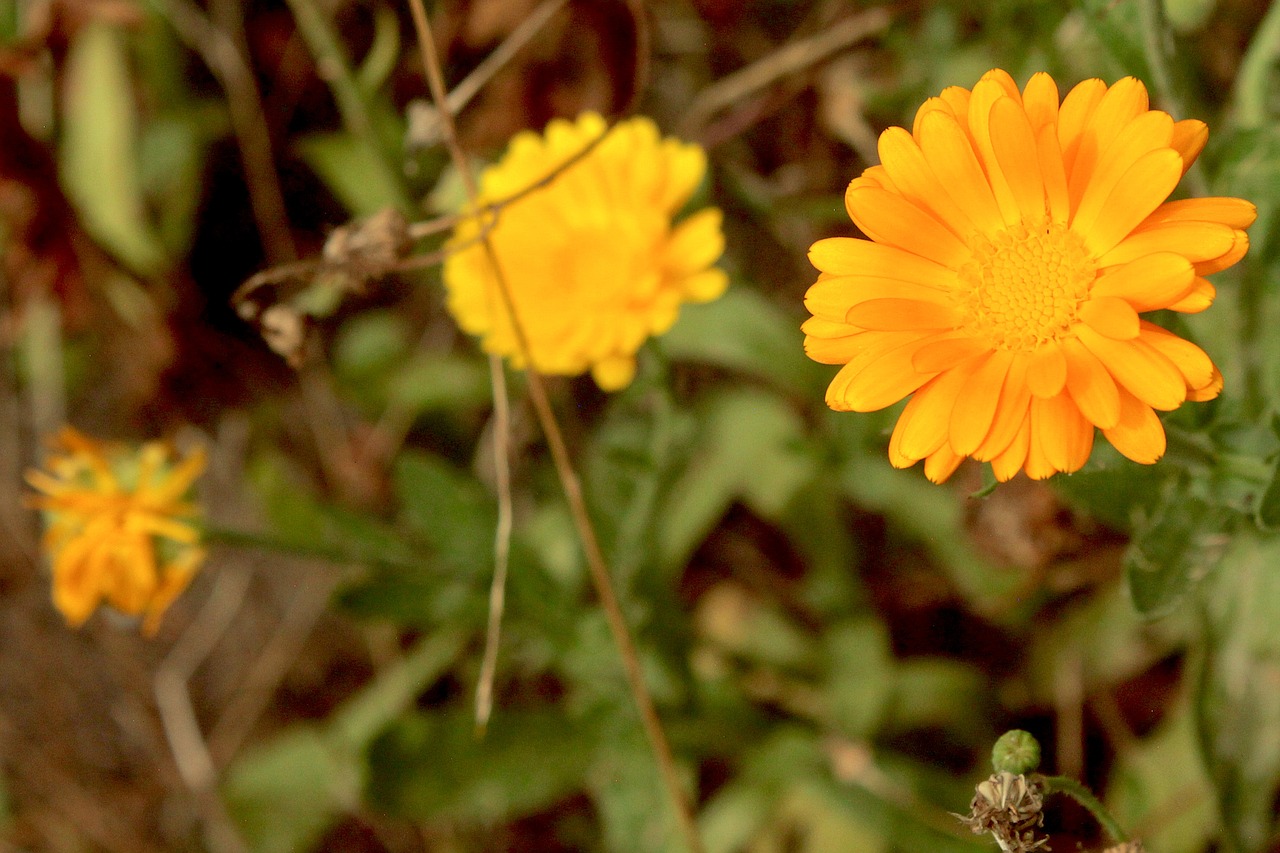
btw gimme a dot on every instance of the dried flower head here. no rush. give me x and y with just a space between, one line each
1013 242
1011 808
117 526
593 262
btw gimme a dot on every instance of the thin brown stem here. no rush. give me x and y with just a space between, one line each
564 469
501 541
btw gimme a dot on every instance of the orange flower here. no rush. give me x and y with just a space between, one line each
1014 240
117 528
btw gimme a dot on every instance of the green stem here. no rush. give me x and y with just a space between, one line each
1154 33
1083 796
328 552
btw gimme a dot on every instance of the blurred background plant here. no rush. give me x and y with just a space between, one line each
833 645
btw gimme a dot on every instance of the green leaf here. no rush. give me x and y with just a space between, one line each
285 793
1177 548
448 508
751 446
1237 705
352 170
860 676
432 767
1268 514
99 148
746 332
440 381
1162 775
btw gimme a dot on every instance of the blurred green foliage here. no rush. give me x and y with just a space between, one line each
768 558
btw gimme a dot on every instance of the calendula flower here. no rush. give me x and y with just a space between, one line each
593 262
1013 242
117 526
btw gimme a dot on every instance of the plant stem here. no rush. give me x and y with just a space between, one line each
564 467
1252 90
1083 796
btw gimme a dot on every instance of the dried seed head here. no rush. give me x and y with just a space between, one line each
1011 808
1127 847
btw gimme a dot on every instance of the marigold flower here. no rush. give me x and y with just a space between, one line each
1014 240
117 527
593 261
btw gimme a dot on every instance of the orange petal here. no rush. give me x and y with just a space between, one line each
911 173
1138 434
1239 245
1144 372
1047 372
1123 102
1149 283
1189 137
890 314
1110 316
931 105
975 409
884 379
1077 108
1200 297
1195 241
947 148
1194 363
1148 132
1014 144
851 256
922 427
1091 385
985 96
1040 99
941 464
1143 187
833 296
946 351
1055 176
889 218
1010 461
1208 392
1235 212
1011 411
1063 434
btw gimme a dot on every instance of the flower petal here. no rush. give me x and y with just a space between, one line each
1144 372
1235 212
1111 317
1091 385
1138 434
1047 371
1194 363
941 464
914 177
975 409
1016 151
949 151
1040 99
1195 241
1011 411
888 314
889 218
881 380
1149 283
1199 298
1010 461
1189 137
923 425
946 351
1143 187
851 256
1064 436
833 296
985 96
695 244
1123 102
1077 109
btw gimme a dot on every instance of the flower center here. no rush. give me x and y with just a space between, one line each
1025 284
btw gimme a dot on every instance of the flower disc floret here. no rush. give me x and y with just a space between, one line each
118 527
593 262
1013 241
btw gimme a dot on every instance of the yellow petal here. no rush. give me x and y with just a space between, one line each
704 286
1144 134
1148 283
949 151
1239 245
975 409
1140 369
1195 241
1064 436
1010 461
946 351
1011 411
1194 363
1091 386
1056 193
1199 298
1138 434
1235 212
1189 137
851 256
880 380
1016 151
941 464
1077 108
614 373
1142 188
923 426
888 314
1047 371
889 218
985 95
1040 98
695 244
914 177
1123 102
1208 392
1110 316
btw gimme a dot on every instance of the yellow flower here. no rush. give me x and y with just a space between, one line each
116 526
1013 242
593 262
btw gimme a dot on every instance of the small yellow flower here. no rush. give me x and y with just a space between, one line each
593 261
1014 240
117 527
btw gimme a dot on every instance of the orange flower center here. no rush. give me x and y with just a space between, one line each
1024 285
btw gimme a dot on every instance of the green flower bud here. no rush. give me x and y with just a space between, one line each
1016 752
